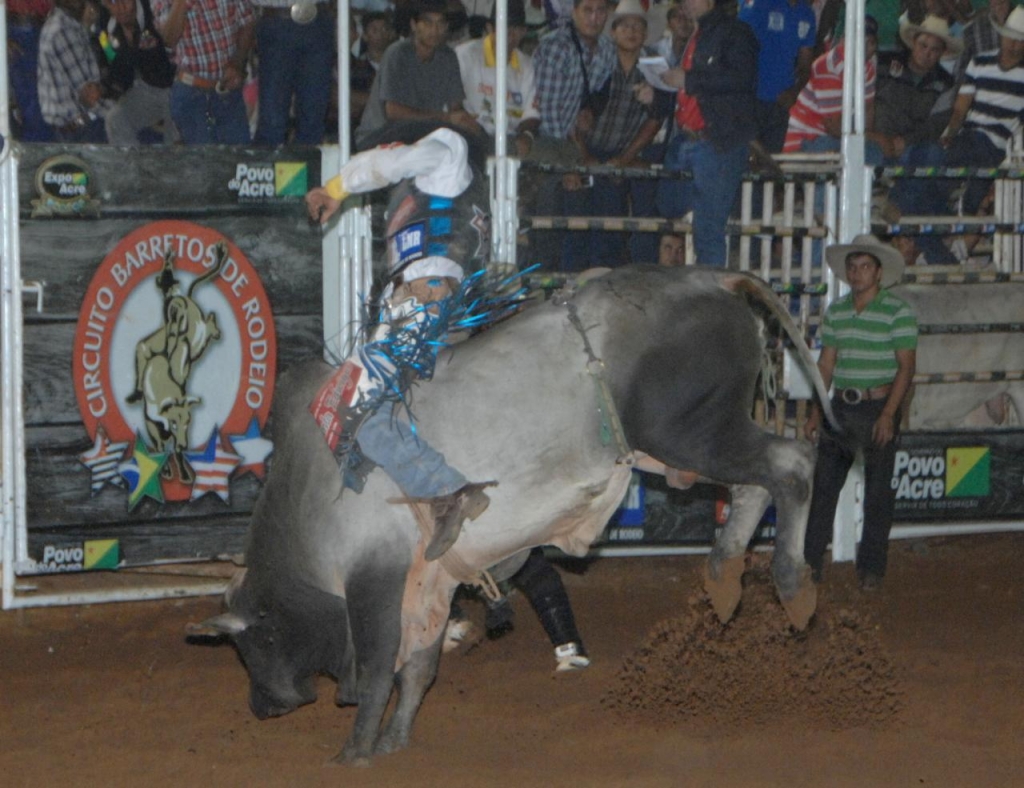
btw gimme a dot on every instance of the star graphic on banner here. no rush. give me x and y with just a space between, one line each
102 460
142 472
253 449
213 466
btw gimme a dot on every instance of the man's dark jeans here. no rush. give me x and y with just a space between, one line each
835 457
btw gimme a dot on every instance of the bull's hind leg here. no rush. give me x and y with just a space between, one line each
723 572
374 597
414 679
792 463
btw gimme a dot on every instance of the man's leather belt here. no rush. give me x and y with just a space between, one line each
196 82
692 135
857 396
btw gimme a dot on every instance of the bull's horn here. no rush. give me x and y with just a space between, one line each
224 624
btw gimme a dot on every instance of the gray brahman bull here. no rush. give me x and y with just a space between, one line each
338 584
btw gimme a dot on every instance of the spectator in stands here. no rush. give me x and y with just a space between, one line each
418 80
715 117
70 93
211 41
988 111
913 104
671 250
956 14
477 66
458 23
680 28
980 35
295 47
572 63
786 30
378 34
138 74
24 22
815 120
367 53
627 122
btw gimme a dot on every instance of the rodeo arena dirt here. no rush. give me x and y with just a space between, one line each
920 684
130 474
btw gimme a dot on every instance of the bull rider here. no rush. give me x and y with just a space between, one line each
434 232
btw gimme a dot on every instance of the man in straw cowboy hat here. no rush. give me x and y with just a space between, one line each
913 104
869 341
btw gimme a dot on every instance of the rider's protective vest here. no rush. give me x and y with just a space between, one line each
421 225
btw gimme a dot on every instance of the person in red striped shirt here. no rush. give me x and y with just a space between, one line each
815 120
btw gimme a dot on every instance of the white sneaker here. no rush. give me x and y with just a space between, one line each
570 657
458 631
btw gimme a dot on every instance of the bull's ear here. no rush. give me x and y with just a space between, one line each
192 400
224 624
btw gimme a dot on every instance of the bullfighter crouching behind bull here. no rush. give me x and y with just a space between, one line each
435 231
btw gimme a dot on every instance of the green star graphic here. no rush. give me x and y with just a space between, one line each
149 466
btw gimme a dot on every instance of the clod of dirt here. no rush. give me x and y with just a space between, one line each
756 670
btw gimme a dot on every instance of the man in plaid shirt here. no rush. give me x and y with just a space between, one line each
69 76
211 40
572 63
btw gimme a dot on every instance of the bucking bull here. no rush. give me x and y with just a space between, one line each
338 584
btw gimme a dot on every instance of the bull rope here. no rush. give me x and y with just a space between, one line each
451 561
611 424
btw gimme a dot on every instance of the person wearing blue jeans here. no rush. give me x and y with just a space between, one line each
208 116
710 193
23 54
295 59
211 42
715 117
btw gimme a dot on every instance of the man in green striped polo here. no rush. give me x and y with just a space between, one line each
869 341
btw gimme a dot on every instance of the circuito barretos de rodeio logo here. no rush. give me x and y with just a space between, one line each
174 365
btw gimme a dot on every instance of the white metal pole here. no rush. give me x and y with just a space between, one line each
854 184
347 255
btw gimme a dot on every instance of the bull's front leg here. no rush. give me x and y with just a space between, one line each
414 679
374 597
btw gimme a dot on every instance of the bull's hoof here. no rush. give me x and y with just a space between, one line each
801 606
391 742
348 757
726 589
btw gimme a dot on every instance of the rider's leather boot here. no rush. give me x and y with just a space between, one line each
451 511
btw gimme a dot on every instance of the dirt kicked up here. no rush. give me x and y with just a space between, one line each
757 670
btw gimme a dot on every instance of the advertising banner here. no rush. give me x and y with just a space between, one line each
960 475
178 282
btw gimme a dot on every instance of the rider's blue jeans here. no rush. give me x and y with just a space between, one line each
413 464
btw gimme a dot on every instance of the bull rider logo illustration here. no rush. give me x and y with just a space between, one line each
174 366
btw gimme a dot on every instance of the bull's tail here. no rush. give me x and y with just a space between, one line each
222 256
742 282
